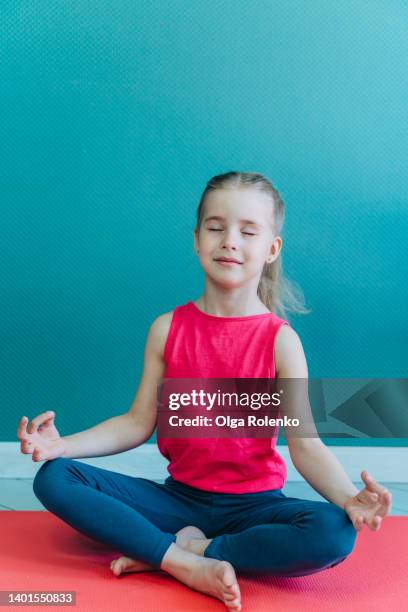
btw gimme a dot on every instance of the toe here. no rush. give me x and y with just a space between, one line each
228 595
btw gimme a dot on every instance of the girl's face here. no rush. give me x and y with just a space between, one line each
237 225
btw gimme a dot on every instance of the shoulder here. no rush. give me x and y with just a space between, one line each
290 360
159 331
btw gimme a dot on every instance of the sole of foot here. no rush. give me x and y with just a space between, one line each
216 578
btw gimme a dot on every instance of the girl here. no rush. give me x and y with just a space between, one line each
222 510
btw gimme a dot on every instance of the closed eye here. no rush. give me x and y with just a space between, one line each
213 229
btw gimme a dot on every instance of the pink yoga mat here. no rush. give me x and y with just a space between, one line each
39 552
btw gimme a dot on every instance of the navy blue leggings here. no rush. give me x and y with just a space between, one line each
264 532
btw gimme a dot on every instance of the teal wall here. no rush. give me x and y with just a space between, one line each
113 117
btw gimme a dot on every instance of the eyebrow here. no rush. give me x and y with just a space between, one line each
246 221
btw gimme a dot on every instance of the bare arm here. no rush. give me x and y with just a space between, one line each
115 435
323 472
310 456
129 430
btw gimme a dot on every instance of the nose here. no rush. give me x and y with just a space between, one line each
229 240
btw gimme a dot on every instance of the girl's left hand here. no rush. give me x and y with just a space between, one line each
370 505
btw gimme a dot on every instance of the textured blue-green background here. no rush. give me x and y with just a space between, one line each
113 117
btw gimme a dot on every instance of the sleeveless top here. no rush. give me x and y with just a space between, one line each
201 345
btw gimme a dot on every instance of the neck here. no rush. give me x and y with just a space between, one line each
230 306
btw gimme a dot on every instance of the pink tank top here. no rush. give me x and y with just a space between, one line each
201 345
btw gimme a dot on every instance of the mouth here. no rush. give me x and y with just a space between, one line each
228 262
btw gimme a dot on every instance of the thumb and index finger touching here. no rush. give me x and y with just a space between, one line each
382 493
34 424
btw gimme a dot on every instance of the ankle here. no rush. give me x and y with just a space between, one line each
198 546
177 557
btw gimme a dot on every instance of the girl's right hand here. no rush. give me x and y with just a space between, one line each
40 437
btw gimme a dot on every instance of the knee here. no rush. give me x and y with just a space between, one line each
47 478
335 534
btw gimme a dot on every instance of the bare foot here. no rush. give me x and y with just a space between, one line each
210 576
190 538
127 565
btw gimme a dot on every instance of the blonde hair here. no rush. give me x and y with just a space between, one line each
279 295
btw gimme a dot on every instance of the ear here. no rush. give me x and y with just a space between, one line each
275 249
196 245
